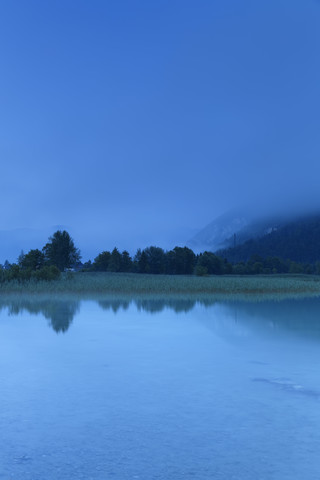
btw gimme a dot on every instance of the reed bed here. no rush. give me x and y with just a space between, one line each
144 285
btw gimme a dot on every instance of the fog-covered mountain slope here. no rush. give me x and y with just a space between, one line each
234 228
297 240
217 233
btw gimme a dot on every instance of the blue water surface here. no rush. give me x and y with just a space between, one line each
101 390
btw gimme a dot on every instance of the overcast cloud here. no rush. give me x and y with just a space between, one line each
139 122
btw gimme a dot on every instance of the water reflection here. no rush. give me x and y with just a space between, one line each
59 313
229 317
154 305
297 316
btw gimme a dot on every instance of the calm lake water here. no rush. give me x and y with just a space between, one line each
159 390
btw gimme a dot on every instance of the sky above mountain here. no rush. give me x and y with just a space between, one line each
136 123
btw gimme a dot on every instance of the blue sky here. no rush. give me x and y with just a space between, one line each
137 122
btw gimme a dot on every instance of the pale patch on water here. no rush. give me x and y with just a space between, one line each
289 386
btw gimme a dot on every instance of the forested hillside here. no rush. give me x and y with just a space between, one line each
298 241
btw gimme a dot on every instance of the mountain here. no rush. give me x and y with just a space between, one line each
217 233
297 240
232 228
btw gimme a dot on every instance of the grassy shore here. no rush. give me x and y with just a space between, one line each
139 284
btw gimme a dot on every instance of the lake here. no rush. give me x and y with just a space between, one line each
159 389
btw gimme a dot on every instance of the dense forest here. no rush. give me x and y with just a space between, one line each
61 255
183 261
298 241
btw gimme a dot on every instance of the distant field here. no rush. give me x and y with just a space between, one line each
139 284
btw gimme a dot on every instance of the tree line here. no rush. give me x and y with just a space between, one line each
183 261
60 254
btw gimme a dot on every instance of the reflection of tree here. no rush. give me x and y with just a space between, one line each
60 313
154 304
183 305
151 306
114 305
298 316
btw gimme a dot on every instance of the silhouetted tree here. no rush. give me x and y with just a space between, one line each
126 262
155 259
141 262
115 261
211 263
180 261
61 251
34 260
101 262
6 265
87 266
21 257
